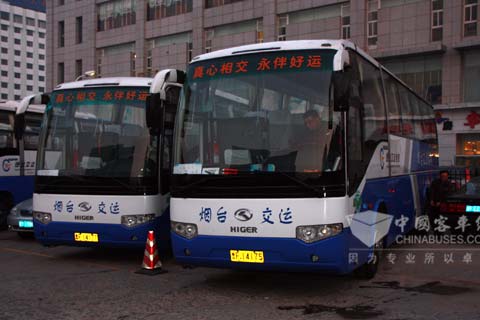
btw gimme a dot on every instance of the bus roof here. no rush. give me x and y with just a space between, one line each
8 105
13 106
106 82
338 45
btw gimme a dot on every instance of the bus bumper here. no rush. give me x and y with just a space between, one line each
109 235
329 256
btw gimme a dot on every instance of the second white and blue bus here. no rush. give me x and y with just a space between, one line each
299 156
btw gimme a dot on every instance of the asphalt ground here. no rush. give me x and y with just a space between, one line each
84 283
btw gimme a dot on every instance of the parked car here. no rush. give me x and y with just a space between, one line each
20 219
463 202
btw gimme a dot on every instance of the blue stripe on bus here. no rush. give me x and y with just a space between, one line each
110 235
281 254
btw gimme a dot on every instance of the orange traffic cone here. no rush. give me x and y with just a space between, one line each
151 264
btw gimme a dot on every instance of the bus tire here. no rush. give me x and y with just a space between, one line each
4 211
25 235
368 270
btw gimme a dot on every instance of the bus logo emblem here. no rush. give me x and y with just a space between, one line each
85 206
243 215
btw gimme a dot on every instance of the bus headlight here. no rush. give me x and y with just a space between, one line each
309 234
42 217
186 230
136 220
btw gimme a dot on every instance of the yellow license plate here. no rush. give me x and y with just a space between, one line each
86 237
246 256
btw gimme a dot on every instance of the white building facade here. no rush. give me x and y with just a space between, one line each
22 48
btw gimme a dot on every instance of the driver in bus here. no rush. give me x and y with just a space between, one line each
316 150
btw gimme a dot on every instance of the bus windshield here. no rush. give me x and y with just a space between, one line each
97 132
262 112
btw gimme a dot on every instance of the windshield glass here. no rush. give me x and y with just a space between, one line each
263 112
98 132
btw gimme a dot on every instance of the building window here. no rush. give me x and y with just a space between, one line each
41 35
17 41
4 62
116 14
282 22
29 77
471 76
78 68
5 50
17 75
29 65
372 22
209 35
41 57
17 97
4 85
30 88
422 74
61 34
61 72
61 2
437 20
29 54
41 67
42 24
468 150
345 14
30 32
17 18
4 73
157 9
133 66
470 18
17 64
4 27
16 86
259 34
31 22
4 15
17 53
17 30
79 30
3 39
41 78
4 96
29 44
216 3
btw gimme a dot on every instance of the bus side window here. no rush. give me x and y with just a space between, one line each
406 113
417 116
375 127
393 103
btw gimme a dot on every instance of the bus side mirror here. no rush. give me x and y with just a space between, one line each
341 83
19 126
154 111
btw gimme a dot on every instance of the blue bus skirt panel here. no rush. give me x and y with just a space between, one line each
20 187
280 254
109 235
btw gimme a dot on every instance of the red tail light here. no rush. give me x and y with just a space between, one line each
453 207
230 171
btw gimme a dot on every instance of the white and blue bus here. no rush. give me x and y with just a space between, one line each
19 130
100 171
297 155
